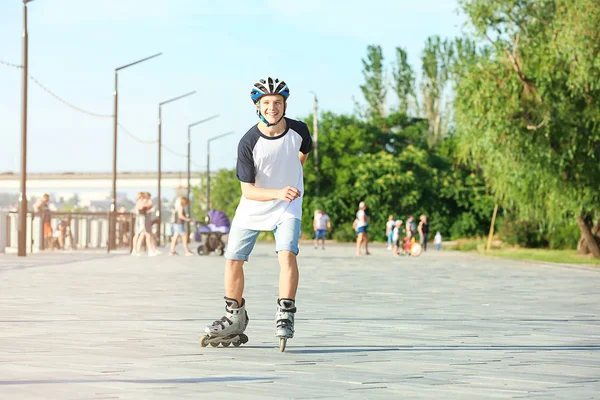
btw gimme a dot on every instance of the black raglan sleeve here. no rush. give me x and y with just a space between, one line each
307 143
245 170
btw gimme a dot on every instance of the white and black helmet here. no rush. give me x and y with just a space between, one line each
269 86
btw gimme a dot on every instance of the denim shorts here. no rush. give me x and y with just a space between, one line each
320 234
361 229
178 229
241 241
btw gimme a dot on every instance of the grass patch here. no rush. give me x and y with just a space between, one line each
555 256
500 249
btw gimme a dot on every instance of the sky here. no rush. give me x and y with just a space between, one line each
218 49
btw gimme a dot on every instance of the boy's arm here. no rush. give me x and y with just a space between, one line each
303 157
251 192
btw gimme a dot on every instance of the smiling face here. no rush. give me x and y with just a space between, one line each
271 107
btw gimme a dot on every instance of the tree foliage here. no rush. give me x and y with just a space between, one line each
374 89
387 163
404 84
437 60
225 193
528 109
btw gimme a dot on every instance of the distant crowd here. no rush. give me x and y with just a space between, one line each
400 235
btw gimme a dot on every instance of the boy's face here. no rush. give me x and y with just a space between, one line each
271 107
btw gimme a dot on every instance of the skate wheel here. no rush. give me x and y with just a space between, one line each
204 341
282 342
237 344
225 344
214 344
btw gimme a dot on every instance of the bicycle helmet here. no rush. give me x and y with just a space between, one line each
269 86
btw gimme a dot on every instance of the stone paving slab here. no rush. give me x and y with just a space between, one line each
90 326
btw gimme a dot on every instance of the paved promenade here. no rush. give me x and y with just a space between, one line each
443 326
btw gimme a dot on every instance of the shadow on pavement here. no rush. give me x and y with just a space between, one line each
370 349
148 381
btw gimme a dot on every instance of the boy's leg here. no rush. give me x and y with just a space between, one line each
239 246
230 328
288 274
234 280
287 234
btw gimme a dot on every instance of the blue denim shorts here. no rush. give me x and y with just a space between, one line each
178 229
241 241
320 234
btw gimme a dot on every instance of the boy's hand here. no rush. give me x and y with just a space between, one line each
288 194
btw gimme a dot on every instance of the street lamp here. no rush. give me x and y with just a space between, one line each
316 129
159 210
316 136
113 207
189 152
208 167
22 246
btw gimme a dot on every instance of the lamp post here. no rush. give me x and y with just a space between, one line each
189 150
22 246
159 209
113 207
316 129
208 166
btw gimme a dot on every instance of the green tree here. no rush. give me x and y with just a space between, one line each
374 89
528 109
387 163
225 193
404 83
436 59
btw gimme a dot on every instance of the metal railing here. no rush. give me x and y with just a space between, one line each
75 230
83 230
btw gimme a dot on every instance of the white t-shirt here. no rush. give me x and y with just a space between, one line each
271 163
321 220
361 222
390 225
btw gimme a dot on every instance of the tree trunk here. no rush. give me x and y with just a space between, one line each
589 239
582 248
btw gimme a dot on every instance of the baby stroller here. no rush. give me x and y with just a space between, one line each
218 225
